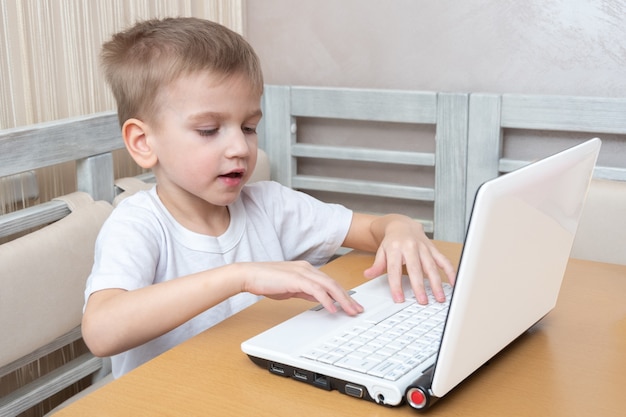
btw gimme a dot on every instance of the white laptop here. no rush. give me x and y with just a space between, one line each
515 253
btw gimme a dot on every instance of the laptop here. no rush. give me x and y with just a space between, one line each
516 249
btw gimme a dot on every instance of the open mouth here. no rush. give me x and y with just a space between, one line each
233 175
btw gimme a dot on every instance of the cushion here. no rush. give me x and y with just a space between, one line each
43 278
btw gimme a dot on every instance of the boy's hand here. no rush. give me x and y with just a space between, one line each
405 244
282 280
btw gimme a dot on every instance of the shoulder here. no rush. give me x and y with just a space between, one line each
139 212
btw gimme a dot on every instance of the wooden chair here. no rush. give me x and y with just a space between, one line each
490 115
43 273
285 106
87 140
43 280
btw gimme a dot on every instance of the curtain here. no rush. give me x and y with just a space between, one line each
49 51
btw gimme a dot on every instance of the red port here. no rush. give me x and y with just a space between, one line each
417 399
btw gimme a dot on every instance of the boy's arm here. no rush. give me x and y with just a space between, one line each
116 320
400 241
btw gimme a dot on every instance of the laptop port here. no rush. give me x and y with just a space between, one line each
276 369
354 390
300 375
321 381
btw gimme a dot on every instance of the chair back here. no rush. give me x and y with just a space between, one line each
286 109
43 279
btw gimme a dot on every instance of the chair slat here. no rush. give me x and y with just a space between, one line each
46 144
29 217
31 394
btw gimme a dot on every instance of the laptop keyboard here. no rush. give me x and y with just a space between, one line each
390 344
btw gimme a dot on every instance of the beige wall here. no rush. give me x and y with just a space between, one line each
573 47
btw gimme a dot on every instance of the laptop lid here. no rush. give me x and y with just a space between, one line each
517 246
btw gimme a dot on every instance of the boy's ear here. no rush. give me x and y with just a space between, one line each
135 134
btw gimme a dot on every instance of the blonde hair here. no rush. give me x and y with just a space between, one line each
139 61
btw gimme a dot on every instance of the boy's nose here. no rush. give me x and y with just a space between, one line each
238 145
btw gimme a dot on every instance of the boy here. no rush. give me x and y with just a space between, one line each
201 245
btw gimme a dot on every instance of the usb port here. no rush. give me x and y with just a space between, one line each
276 369
300 375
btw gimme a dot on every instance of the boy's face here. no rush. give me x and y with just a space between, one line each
205 141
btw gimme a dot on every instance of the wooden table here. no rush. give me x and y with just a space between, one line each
572 364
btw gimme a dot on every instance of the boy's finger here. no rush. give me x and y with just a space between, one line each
394 276
379 265
416 277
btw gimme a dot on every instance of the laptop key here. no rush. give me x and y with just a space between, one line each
398 372
384 368
357 364
384 314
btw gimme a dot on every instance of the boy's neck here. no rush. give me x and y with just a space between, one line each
199 217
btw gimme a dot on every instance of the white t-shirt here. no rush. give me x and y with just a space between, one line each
141 244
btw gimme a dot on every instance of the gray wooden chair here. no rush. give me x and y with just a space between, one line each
284 107
43 272
491 115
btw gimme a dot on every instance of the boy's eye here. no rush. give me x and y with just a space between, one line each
207 132
250 130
